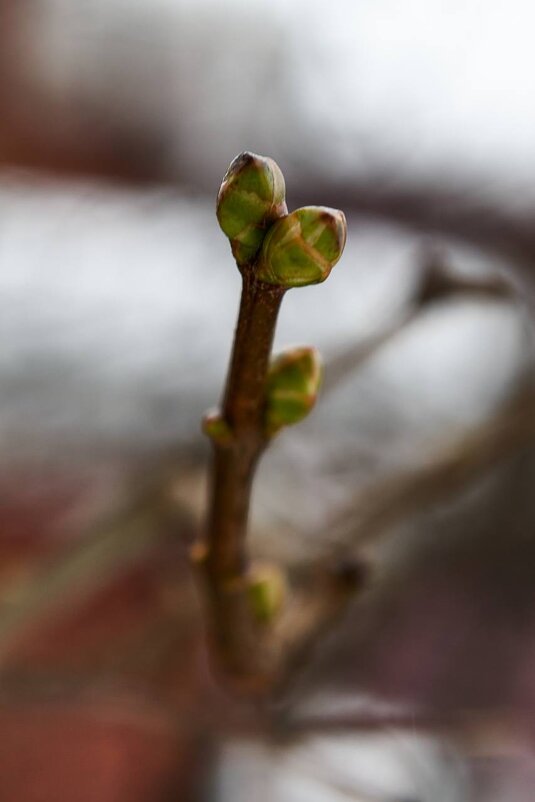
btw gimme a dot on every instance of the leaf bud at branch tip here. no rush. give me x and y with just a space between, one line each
250 199
293 381
216 428
303 247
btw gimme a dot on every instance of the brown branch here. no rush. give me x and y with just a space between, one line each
255 655
437 282
243 411
349 358
240 642
445 207
450 471
374 510
298 249
334 578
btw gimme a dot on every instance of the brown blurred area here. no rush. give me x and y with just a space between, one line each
97 702
100 696
58 131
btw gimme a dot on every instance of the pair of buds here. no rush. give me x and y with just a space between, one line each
289 250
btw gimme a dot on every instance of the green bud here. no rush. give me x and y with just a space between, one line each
303 247
293 382
216 427
250 199
267 590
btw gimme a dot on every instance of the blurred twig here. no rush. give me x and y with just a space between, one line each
449 471
437 282
392 499
445 207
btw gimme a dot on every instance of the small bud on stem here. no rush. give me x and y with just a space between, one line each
293 381
267 589
216 428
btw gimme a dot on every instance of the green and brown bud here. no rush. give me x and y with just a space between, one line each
267 590
293 381
303 247
250 199
216 428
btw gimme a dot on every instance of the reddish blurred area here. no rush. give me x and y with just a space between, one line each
105 750
40 129
100 696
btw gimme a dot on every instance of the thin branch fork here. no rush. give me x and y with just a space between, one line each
437 282
253 653
449 471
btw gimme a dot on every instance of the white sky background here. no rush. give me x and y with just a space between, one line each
415 87
428 82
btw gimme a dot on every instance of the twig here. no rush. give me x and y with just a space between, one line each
437 282
351 357
234 630
274 251
447 208
451 470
